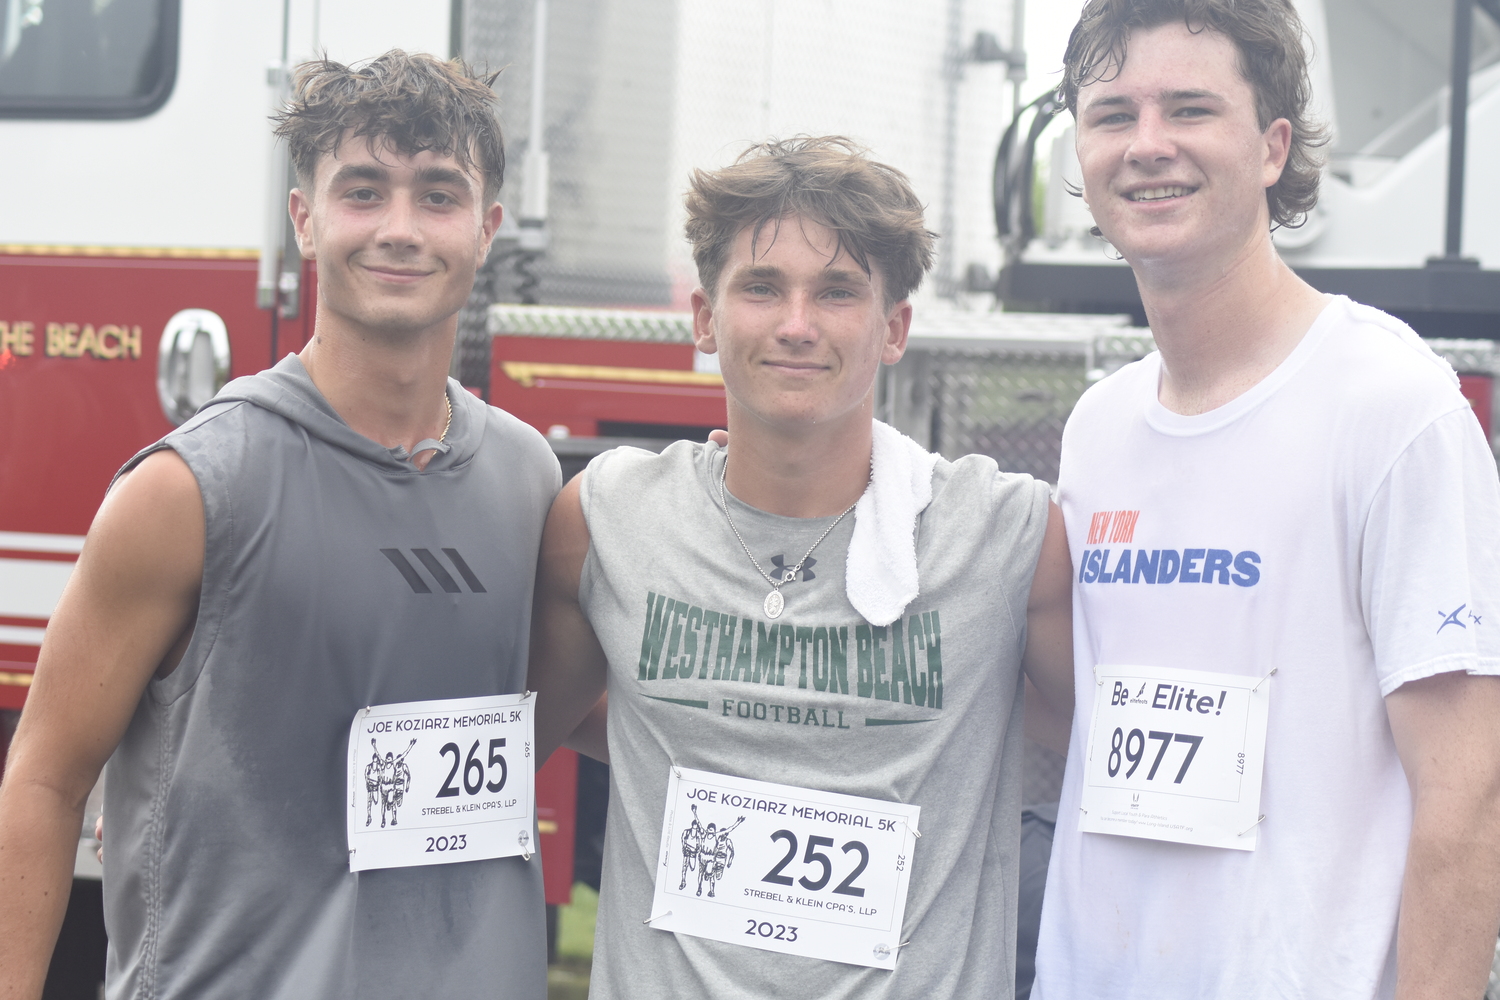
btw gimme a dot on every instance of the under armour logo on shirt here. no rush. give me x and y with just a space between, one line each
779 562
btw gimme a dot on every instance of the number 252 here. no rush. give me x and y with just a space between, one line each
815 856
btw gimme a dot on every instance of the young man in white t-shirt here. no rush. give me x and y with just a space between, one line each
1284 775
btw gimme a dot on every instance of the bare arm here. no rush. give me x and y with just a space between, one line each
126 614
568 669
590 738
1048 659
1447 731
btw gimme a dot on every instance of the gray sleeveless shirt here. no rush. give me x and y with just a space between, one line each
924 711
335 576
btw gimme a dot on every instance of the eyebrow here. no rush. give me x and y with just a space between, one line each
359 172
846 276
442 175
374 172
1192 95
1120 100
770 271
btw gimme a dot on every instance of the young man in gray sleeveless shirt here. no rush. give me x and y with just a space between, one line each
813 641
348 529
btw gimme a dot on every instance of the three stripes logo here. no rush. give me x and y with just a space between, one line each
1113 526
435 567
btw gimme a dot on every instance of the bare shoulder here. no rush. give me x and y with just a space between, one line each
124 615
566 525
163 474
565 544
152 520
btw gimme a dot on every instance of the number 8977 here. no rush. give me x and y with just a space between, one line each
1134 747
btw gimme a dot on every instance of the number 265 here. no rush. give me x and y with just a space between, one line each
474 769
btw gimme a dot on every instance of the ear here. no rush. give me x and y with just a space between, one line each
489 225
299 206
897 329
1083 187
703 328
1278 146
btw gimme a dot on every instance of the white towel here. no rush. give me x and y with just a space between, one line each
880 575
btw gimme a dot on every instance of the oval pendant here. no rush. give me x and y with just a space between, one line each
774 604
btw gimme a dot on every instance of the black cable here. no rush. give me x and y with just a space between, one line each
526 288
1012 181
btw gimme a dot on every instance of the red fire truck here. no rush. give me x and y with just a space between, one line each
144 261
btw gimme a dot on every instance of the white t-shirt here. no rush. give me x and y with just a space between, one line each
1358 505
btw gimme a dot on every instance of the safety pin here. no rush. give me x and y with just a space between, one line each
677 770
1257 688
525 854
527 694
659 916
912 828
903 944
1252 826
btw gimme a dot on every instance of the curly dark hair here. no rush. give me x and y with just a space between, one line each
414 101
1268 35
830 180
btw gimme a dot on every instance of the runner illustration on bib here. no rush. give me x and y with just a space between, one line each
709 850
388 780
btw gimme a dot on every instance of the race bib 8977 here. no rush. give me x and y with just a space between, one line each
437 782
1176 755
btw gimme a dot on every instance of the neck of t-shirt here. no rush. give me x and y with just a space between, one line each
802 472
1171 422
1220 340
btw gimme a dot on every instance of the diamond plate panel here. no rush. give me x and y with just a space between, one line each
1008 405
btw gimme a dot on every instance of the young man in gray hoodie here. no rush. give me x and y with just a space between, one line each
348 529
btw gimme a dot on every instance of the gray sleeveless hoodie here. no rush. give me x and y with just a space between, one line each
335 576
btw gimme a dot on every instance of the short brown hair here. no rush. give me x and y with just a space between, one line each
1268 36
416 102
830 180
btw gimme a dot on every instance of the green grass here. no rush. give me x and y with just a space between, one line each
568 979
565 982
575 926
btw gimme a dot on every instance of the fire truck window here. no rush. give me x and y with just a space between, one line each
86 58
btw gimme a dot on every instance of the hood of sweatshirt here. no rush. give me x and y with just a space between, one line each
288 391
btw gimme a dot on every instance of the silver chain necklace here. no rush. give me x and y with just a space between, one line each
775 603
